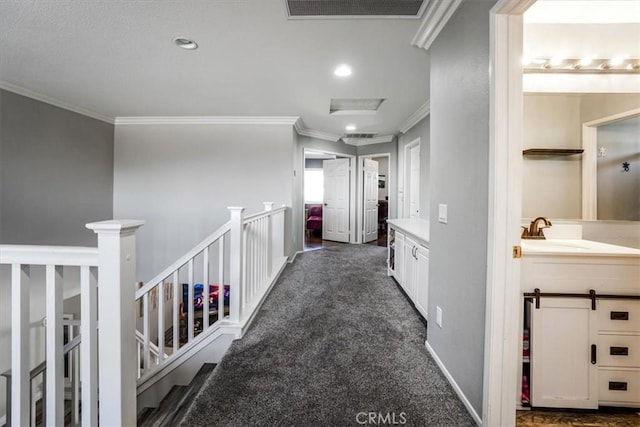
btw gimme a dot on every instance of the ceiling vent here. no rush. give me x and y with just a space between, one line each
359 135
405 8
355 106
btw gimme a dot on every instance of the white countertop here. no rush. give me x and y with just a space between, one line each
573 247
415 227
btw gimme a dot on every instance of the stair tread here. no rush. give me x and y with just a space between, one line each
194 388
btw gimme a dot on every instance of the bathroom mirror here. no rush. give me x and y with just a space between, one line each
595 184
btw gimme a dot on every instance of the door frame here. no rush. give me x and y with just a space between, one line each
406 176
352 192
360 192
505 210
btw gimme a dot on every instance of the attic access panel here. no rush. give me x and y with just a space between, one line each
409 8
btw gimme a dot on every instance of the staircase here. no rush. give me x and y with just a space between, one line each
184 319
175 404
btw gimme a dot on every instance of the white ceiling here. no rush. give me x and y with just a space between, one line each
117 59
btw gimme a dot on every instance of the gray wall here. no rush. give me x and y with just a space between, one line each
419 130
459 177
56 173
619 191
180 179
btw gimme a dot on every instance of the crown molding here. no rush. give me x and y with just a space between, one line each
359 142
207 120
422 112
435 17
10 87
311 133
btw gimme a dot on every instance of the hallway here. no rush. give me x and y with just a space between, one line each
335 343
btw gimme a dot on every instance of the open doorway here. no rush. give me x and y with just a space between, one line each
328 199
373 203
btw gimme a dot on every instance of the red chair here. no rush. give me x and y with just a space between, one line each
314 219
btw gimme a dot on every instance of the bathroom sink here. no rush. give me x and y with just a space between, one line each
574 247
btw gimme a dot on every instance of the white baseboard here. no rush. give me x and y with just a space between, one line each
455 386
3 420
294 256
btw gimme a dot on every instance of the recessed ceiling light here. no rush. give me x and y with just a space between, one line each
343 71
185 43
351 128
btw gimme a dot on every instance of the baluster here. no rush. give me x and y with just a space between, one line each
190 314
205 289
268 206
246 258
176 313
145 334
89 345
20 345
221 278
161 294
54 347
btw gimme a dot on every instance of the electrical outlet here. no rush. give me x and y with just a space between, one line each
442 213
439 316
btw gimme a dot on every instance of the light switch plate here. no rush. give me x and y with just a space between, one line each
442 213
439 316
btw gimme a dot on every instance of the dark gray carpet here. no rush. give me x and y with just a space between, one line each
335 338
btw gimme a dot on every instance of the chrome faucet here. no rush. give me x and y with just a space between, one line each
534 231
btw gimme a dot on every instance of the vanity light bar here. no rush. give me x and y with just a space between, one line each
582 65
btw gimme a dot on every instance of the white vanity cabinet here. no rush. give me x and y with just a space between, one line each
408 260
584 327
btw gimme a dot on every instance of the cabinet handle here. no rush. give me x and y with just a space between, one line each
619 351
618 385
594 354
619 315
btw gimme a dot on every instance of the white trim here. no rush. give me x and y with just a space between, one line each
455 385
435 17
359 142
49 255
319 135
505 208
295 254
10 87
422 112
406 158
208 120
590 161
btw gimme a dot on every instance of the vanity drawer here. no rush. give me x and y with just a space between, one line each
619 386
619 315
619 350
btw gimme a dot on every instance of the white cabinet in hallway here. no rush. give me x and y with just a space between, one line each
408 260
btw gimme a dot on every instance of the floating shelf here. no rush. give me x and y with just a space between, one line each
552 151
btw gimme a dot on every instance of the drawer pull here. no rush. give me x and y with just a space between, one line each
619 315
617 385
619 351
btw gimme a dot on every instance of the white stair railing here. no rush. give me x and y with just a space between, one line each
221 281
231 272
113 264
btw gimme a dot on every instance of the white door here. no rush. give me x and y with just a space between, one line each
414 182
563 363
335 212
370 202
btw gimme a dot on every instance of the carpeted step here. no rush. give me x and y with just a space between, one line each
175 404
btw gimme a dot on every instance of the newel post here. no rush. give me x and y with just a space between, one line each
116 321
235 263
